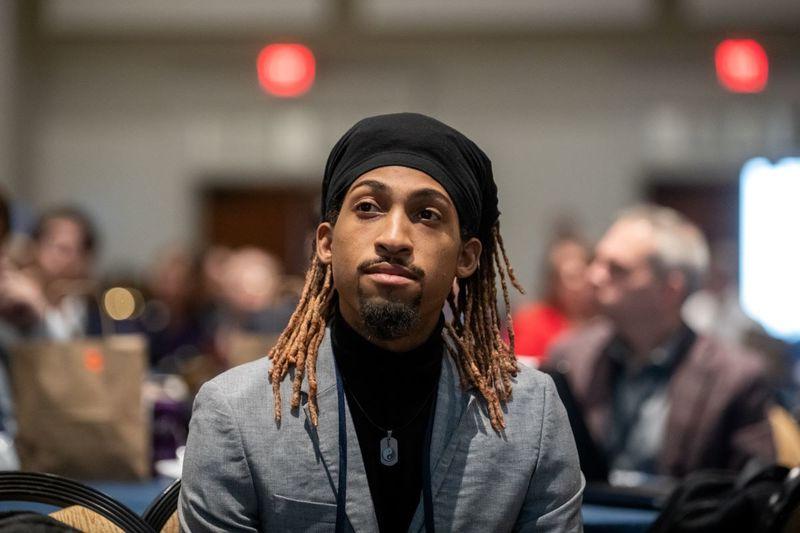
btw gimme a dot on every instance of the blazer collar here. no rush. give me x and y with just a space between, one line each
448 431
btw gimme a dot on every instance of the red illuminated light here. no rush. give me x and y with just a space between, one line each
286 70
742 65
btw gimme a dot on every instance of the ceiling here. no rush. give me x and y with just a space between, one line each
247 17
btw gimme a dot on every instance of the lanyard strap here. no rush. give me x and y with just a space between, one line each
427 493
341 490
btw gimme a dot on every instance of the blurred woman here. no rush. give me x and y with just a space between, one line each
566 299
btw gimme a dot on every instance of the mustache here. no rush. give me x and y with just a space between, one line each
417 271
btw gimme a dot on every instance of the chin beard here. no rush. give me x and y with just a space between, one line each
389 320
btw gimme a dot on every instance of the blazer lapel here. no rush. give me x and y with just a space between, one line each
451 404
359 507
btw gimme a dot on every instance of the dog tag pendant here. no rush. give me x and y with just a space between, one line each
389 450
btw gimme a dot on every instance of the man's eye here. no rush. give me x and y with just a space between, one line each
429 214
366 207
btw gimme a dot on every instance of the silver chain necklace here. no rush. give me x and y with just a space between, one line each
389 454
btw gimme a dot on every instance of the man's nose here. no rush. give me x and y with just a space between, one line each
394 239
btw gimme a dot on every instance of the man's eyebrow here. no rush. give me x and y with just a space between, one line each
375 185
420 194
431 194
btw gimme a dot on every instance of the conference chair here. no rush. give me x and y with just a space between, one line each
82 507
162 515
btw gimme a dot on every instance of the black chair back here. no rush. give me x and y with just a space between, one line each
59 491
163 507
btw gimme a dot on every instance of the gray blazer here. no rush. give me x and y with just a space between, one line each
243 472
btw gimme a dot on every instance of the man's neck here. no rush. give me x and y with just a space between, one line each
415 338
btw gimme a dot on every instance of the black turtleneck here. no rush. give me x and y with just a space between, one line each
396 389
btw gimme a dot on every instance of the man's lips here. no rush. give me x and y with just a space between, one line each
388 274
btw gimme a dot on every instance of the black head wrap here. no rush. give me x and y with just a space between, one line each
422 143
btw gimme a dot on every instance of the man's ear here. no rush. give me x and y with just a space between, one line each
325 242
469 258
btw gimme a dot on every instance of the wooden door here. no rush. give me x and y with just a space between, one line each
279 219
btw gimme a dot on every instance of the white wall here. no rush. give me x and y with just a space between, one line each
130 130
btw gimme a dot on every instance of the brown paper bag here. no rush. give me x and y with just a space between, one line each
79 407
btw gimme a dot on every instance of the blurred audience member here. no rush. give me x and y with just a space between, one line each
566 300
65 243
175 316
213 273
252 292
715 310
58 292
253 304
10 305
22 300
656 397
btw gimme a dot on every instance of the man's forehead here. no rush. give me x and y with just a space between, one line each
400 179
418 142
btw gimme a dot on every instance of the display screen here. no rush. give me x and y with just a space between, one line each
770 245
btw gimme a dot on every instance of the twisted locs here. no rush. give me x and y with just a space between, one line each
483 357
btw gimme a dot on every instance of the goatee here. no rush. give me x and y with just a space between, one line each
389 320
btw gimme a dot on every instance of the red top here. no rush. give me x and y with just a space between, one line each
536 326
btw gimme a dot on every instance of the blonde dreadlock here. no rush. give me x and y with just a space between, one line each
484 359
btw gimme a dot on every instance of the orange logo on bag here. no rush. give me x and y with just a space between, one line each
93 360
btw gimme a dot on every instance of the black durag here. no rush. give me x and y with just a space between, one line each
422 143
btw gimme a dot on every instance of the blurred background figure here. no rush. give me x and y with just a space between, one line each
62 286
64 243
715 310
254 306
21 299
566 298
176 315
13 303
658 398
213 260
253 297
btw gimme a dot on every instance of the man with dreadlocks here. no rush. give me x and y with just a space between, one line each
372 413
